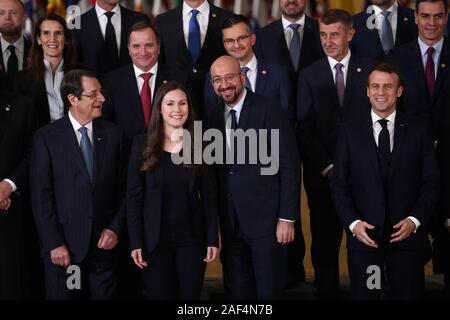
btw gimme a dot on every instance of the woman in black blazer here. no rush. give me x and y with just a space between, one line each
52 55
171 208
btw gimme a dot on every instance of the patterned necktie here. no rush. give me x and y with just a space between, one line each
146 98
86 151
194 43
429 71
111 43
387 38
294 47
13 64
340 84
248 85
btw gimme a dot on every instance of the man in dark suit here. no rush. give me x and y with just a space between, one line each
131 89
101 38
14 46
385 186
375 36
292 41
264 78
75 177
191 40
258 208
17 124
329 90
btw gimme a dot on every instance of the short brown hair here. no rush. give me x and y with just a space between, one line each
387 68
141 25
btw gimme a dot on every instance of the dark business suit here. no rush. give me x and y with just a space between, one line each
70 209
410 187
90 43
271 46
13 82
366 42
18 253
123 103
319 115
251 203
272 81
145 206
175 53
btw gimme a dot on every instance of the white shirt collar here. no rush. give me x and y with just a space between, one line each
19 44
100 11
390 118
252 64
286 22
424 47
58 69
203 8
238 106
76 125
393 8
138 72
344 61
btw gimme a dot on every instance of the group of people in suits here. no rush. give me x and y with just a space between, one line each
100 182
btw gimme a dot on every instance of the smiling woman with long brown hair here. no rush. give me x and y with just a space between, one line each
171 208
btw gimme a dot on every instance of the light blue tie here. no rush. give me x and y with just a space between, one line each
86 150
248 85
194 43
387 38
294 47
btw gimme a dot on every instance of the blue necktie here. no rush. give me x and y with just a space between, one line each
294 47
248 85
387 39
194 43
86 150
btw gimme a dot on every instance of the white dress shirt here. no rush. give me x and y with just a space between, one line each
52 86
376 133
202 18
436 55
140 80
345 62
76 125
288 32
252 72
20 49
392 18
115 20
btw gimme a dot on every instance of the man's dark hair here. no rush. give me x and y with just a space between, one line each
141 25
418 2
236 19
387 68
71 84
337 15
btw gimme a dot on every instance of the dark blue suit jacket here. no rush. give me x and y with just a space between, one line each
412 183
416 98
271 46
272 81
123 103
319 112
144 202
90 43
12 85
367 43
68 208
259 200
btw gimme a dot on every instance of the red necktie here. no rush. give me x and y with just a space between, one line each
429 71
146 97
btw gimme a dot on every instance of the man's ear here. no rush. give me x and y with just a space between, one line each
72 99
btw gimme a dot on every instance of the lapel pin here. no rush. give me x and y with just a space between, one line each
99 139
443 65
358 70
405 19
165 81
214 15
8 107
264 72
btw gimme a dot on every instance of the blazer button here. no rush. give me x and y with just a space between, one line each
194 70
231 172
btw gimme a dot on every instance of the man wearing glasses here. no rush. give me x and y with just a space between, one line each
75 175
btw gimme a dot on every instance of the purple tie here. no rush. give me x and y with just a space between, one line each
340 86
429 71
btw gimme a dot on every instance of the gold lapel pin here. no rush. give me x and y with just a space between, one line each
214 15
264 72
405 19
165 81
358 70
8 108
443 65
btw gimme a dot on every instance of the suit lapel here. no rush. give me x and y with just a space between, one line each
442 72
178 30
94 25
353 75
402 34
399 135
1 58
26 50
418 67
325 71
246 111
6 111
99 138
135 103
261 77
282 45
212 29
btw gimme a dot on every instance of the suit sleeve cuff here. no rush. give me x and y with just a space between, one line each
352 226
12 184
286 220
325 171
416 222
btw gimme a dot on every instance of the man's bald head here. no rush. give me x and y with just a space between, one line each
227 79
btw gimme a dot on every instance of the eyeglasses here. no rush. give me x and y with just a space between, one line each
229 41
228 78
95 95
